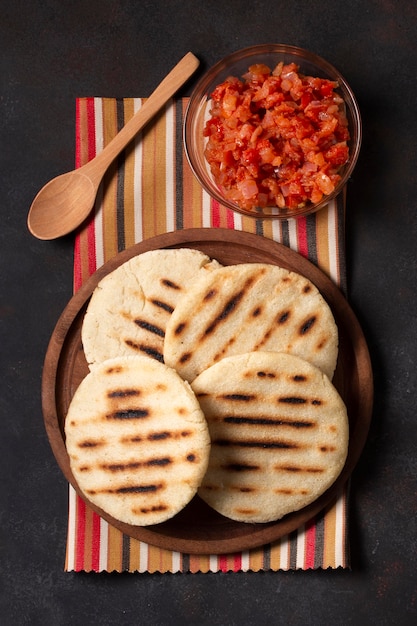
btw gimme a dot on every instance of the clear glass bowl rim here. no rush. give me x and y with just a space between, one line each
201 93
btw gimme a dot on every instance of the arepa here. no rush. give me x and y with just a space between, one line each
130 307
279 435
137 440
250 307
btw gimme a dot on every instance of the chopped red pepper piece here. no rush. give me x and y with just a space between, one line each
276 138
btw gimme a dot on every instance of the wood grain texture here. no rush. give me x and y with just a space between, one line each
198 529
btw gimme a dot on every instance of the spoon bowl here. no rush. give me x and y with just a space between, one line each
67 200
61 204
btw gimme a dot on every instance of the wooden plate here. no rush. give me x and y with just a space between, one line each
198 529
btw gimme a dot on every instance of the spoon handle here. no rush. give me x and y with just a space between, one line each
169 85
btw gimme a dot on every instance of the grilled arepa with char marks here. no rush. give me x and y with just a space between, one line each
137 440
130 307
245 308
279 435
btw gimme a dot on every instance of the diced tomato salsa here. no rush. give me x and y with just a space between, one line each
276 138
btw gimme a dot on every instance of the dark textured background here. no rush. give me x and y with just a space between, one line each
55 50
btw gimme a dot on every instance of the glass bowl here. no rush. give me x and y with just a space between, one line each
236 65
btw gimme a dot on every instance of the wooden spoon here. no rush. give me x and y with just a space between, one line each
65 202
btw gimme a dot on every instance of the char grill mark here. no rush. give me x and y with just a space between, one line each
239 397
229 308
165 434
91 443
298 469
138 489
240 467
267 421
133 465
120 467
266 374
209 295
150 509
114 369
132 439
283 317
224 349
263 341
298 400
123 393
291 492
154 353
170 284
159 436
159 462
131 489
163 305
292 400
242 511
250 443
307 325
151 328
185 357
128 414
207 487
179 329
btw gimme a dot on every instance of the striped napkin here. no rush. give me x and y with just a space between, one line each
148 191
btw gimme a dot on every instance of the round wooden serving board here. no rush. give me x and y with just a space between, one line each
198 529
